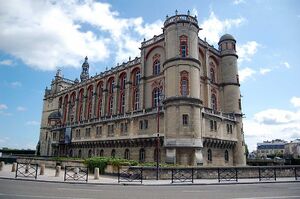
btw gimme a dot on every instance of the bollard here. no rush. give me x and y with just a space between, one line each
2 165
57 171
96 173
14 166
42 171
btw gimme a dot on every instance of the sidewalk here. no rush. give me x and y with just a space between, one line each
49 176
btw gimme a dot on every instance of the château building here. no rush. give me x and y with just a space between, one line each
179 101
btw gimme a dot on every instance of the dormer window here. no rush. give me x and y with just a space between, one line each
183 46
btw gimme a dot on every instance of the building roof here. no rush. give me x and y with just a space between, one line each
226 37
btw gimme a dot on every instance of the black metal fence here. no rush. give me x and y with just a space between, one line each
222 174
73 173
130 175
26 170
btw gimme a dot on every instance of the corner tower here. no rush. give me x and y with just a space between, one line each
231 92
182 102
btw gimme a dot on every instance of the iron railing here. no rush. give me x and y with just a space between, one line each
73 173
26 170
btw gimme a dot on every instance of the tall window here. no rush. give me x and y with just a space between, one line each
90 153
111 85
99 92
122 102
212 75
101 153
127 154
122 81
72 107
184 83
89 102
113 153
136 76
209 155
65 108
136 101
214 102
155 97
185 119
183 46
60 102
80 105
226 156
142 155
156 67
122 93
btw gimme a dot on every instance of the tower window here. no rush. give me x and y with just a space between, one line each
185 119
156 67
183 46
209 155
213 102
184 83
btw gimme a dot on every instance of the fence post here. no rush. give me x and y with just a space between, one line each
14 169
142 175
87 174
96 173
118 174
295 171
236 174
57 171
259 174
2 165
42 171
192 175
275 173
36 170
219 174
172 174
65 174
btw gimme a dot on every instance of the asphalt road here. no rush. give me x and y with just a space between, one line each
28 189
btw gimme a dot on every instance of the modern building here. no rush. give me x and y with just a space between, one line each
179 101
271 148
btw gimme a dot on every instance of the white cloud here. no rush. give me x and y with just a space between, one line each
213 27
246 51
286 64
21 109
264 71
6 62
236 2
272 124
295 101
50 34
15 84
246 73
32 123
3 107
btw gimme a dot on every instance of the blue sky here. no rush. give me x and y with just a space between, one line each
37 37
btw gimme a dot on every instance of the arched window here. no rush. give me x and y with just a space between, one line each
136 75
89 102
79 153
111 85
209 155
156 97
226 156
72 107
90 153
122 79
214 102
155 155
183 46
127 154
136 99
156 67
101 153
80 105
142 155
113 153
98 152
122 102
184 83
99 92
212 75
65 108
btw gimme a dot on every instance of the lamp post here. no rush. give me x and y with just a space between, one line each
160 96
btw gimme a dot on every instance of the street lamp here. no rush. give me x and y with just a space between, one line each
160 96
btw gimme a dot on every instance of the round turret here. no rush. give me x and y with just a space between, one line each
227 45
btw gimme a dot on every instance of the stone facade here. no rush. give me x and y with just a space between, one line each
181 94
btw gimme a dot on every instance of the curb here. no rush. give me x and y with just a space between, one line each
135 184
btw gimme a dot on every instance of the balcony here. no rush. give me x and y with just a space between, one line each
215 113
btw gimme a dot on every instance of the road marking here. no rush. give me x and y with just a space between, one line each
194 191
270 197
75 189
37 196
